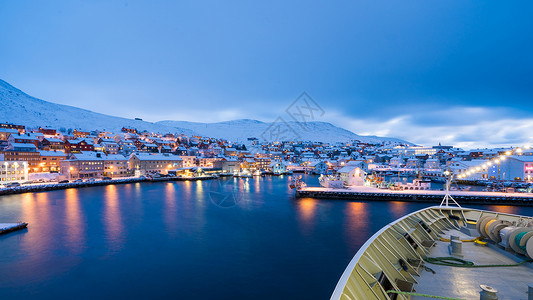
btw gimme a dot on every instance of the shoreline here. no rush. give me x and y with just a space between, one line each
63 186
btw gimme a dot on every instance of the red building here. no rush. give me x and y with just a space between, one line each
78 145
47 131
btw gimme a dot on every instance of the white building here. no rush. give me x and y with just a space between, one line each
519 168
413 163
465 167
13 171
278 167
144 163
432 164
396 162
352 175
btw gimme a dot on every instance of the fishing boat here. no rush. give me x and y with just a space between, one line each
444 252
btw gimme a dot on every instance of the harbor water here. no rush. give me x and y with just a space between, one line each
230 238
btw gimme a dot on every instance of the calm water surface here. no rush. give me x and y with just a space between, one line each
227 239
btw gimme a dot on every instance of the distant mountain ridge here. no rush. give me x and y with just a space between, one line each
239 130
19 108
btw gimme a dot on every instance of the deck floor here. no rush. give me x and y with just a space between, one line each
463 283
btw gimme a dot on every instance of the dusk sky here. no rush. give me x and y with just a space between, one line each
455 72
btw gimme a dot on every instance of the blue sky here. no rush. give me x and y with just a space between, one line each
456 72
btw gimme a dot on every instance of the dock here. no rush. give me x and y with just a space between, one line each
9 227
428 196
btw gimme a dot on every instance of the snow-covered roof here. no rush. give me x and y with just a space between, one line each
523 158
347 169
23 145
150 157
52 153
6 130
54 140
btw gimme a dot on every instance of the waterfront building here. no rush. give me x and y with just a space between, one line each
19 128
517 168
464 167
228 165
262 163
83 165
31 157
116 166
145 164
319 167
188 160
13 171
352 175
278 167
50 161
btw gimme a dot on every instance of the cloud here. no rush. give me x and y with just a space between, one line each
466 127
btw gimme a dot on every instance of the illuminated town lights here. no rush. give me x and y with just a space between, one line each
518 150
503 158
497 160
508 153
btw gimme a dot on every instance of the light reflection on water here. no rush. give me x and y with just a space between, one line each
95 242
112 219
75 223
307 213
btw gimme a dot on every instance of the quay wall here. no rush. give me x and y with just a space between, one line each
425 198
63 186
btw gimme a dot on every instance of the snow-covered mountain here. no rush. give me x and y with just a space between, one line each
19 108
240 130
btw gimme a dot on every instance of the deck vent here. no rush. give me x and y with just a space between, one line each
487 293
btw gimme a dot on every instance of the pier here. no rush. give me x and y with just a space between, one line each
429 196
8 227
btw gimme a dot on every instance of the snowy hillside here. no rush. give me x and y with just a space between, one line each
20 108
240 130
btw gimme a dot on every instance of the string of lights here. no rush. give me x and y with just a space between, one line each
494 161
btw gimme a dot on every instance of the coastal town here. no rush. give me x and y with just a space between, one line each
44 154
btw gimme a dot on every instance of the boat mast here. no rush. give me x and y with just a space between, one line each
448 197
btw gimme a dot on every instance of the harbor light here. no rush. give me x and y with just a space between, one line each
508 153
503 158
497 160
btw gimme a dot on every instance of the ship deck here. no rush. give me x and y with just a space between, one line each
464 283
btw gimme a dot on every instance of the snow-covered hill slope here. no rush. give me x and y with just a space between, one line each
19 108
240 130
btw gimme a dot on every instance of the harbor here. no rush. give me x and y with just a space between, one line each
363 193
